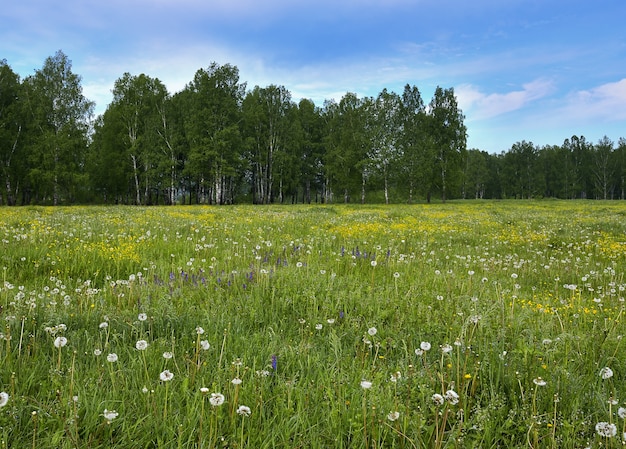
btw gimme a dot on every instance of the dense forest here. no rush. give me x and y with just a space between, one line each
218 142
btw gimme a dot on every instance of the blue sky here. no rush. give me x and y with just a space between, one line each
534 70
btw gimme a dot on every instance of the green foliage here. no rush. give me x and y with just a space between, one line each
215 142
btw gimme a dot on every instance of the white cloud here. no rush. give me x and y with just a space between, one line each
483 106
605 102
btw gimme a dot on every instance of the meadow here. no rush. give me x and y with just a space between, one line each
457 325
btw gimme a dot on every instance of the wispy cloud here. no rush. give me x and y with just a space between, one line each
487 105
606 102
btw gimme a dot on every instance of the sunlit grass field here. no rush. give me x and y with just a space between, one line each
457 325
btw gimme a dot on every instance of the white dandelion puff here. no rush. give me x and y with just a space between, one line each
166 376
605 429
110 415
452 397
606 373
4 398
59 342
437 399
244 410
216 399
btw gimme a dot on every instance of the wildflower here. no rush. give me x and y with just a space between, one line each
396 275
366 384
330 320
112 357
539 382
141 345
166 376
318 326
59 342
425 346
392 416
204 344
243 410
97 352
605 429
110 415
621 412
216 399
446 348
199 330
452 397
4 398
142 317
103 325
373 263
167 355
606 373
236 381
372 331
396 376
437 399
204 390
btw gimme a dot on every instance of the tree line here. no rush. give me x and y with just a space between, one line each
218 142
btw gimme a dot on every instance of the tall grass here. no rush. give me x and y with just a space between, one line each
470 324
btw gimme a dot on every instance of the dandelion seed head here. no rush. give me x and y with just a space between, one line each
216 399
110 415
141 345
59 342
112 357
606 373
166 376
167 355
4 398
437 399
236 381
606 430
366 384
142 317
372 331
244 410
205 345
452 397
392 416
425 346
539 382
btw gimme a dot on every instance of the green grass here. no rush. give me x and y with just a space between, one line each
302 304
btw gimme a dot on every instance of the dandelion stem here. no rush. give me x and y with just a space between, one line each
365 419
219 362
